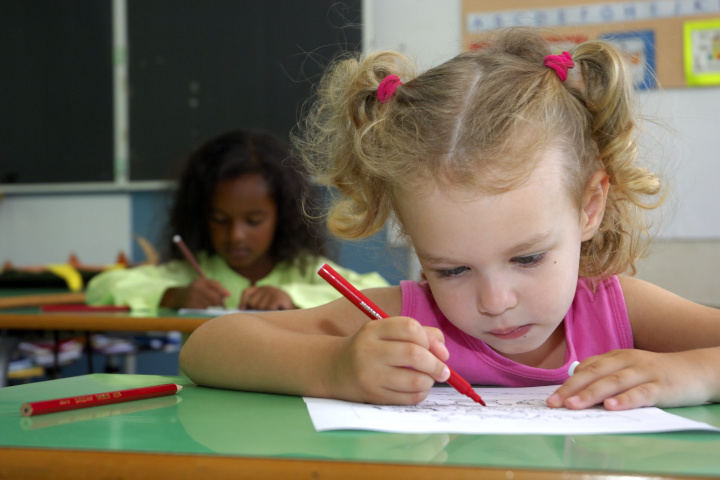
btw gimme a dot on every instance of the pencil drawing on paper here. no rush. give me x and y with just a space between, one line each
447 406
508 411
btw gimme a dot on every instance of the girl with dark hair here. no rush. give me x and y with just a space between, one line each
239 207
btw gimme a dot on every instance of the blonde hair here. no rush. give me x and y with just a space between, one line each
477 121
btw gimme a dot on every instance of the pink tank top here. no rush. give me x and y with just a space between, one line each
597 322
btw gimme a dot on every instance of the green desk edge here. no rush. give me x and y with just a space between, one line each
209 421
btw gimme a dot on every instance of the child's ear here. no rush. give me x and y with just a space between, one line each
593 207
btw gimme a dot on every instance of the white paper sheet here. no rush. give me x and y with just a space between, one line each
508 411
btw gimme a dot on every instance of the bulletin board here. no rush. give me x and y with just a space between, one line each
652 31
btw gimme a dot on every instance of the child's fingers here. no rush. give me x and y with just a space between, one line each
642 395
402 329
211 290
619 380
409 346
437 343
265 298
404 386
620 390
375 381
245 297
392 362
203 293
408 355
584 375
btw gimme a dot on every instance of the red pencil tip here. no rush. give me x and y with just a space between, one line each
476 397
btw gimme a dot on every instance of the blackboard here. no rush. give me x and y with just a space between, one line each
56 91
201 67
195 69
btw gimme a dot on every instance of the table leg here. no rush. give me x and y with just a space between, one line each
130 363
7 347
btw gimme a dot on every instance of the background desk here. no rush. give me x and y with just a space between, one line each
165 320
32 318
210 433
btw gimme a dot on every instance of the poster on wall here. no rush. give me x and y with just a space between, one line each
702 52
649 31
639 47
562 43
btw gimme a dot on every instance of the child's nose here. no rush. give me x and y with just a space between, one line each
238 231
494 296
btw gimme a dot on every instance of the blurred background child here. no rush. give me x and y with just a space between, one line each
239 207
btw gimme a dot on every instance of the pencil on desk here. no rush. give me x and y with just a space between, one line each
63 418
84 308
188 255
96 399
374 312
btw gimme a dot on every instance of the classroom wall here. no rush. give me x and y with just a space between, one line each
38 227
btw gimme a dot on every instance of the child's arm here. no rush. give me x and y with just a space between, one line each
676 361
331 351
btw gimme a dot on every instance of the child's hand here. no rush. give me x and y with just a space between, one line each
265 298
624 379
201 293
390 361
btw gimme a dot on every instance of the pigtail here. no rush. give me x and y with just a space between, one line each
478 121
341 142
624 232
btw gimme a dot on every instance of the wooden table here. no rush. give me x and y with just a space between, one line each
164 320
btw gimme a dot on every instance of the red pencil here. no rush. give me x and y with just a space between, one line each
96 399
188 255
84 308
375 312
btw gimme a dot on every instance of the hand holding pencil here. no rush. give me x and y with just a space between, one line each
203 292
374 312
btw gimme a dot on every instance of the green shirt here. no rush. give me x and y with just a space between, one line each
142 288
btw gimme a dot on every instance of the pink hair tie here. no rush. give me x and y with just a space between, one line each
560 63
387 88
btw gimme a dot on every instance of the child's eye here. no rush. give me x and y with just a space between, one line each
451 272
529 260
218 219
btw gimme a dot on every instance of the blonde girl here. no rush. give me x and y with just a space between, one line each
513 173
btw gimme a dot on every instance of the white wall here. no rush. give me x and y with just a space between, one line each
42 229
430 31
686 149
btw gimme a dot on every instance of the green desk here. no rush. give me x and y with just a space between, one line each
208 433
